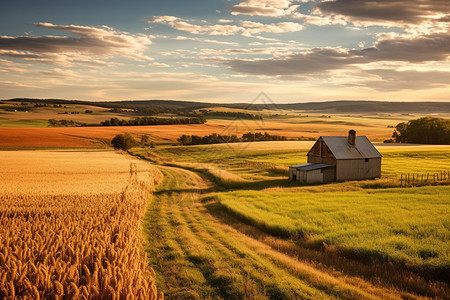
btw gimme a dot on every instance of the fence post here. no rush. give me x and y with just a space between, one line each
428 175
401 180
421 180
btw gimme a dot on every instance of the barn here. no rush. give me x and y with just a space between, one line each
339 158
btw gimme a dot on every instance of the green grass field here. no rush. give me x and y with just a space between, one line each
199 251
396 238
413 227
23 123
410 225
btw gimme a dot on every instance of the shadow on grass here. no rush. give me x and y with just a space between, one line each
371 266
367 264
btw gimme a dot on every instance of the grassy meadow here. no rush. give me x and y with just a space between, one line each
409 225
380 233
199 251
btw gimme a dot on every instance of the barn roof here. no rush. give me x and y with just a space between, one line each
341 149
310 166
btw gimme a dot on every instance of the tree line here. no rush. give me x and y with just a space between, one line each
231 114
63 123
152 121
219 139
425 130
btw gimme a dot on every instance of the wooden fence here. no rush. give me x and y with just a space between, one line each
414 179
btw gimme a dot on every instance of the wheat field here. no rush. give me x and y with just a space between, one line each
70 225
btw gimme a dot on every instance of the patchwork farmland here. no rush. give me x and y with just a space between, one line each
217 221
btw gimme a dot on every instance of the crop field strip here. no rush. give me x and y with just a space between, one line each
198 256
21 129
58 244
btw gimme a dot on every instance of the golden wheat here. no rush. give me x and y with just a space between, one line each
70 225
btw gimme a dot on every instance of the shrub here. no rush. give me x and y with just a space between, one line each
123 142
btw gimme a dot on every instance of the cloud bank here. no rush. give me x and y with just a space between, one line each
89 44
377 12
435 47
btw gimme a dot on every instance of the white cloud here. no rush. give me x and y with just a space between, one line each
256 27
225 21
206 29
162 19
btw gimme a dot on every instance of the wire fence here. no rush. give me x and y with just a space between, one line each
419 179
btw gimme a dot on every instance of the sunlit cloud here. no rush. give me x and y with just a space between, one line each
197 39
90 44
434 47
272 8
245 28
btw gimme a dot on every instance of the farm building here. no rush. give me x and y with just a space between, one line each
339 158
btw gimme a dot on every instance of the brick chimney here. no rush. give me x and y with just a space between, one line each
352 138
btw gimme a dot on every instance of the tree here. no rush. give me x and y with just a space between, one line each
423 131
185 140
123 141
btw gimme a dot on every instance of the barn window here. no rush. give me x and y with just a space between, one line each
366 160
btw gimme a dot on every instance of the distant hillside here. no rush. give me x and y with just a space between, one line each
343 106
143 106
371 106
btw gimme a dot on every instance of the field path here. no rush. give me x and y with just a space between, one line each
198 253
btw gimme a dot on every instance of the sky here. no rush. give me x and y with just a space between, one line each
226 50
